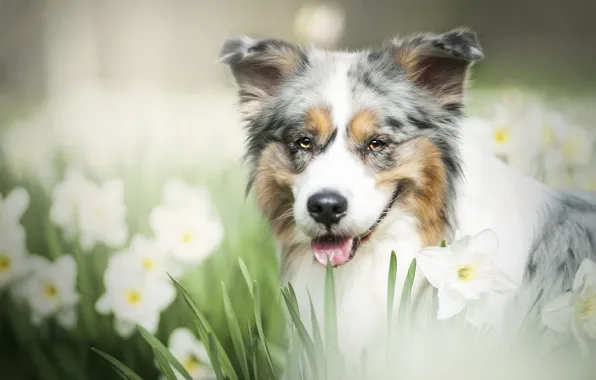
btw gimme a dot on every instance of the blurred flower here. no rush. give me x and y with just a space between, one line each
575 148
585 179
146 256
51 290
101 215
320 23
191 353
13 256
575 310
464 274
133 298
186 223
66 199
13 207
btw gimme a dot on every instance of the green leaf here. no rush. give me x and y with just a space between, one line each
125 372
391 289
215 360
443 243
204 329
235 332
157 345
246 275
259 322
406 294
331 336
165 367
317 338
303 335
52 239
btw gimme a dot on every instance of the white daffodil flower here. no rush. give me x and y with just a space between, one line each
13 256
464 274
186 223
134 298
191 353
575 310
13 207
102 215
67 198
51 290
144 255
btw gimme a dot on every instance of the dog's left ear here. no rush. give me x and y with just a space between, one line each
439 63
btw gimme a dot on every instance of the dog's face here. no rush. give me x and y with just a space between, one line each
338 140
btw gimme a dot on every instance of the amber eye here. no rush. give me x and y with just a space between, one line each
304 143
376 145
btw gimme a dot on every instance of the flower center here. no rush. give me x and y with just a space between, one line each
465 273
50 290
586 307
547 137
501 135
133 297
568 149
191 363
148 264
187 238
4 263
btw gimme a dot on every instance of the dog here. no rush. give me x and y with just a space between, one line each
354 155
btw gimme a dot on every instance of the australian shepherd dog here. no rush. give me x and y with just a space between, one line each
355 154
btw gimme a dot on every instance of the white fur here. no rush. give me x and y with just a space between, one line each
491 196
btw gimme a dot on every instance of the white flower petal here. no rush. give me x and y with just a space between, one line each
15 205
434 264
486 242
103 304
502 283
150 321
124 328
585 275
579 337
67 318
450 304
557 314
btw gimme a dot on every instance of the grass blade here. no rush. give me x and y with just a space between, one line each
406 294
303 335
331 335
204 329
157 345
259 323
121 368
235 332
247 276
215 360
391 289
317 337
165 367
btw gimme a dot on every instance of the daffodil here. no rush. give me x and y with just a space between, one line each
575 311
13 256
13 207
186 223
144 255
67 198
134 298
464 274
101 215
191 353
51 290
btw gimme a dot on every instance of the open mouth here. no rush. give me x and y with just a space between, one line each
341 249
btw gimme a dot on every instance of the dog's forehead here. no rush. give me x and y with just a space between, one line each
344 83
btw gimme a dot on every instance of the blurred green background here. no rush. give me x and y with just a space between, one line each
131 89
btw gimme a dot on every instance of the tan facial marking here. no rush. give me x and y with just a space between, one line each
363 127
318 122
273 181
420 166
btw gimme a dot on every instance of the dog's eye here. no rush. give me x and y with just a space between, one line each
376 145
304 143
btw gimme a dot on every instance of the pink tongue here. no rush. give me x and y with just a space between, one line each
337 251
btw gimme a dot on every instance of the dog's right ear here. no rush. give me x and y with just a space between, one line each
259 67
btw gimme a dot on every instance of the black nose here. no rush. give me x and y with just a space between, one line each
327 207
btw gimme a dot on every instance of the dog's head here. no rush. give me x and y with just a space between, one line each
338 140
